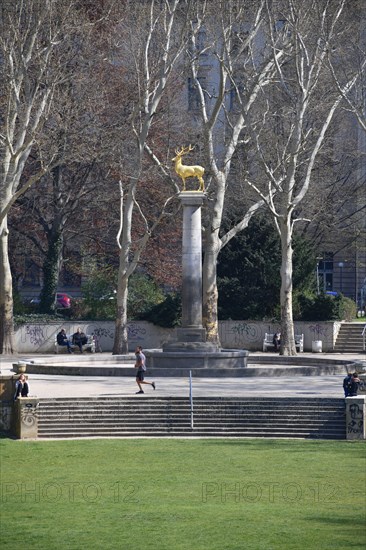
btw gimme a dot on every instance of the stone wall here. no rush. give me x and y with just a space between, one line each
40 338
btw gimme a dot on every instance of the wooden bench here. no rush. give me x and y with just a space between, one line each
89 346
268 342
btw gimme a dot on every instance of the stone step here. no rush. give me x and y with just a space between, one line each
350 350
334 416
112 430
349 339
153 417
197 428
314 434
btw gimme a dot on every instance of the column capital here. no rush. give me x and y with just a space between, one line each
192 198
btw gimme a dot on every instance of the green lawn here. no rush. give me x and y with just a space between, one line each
183 494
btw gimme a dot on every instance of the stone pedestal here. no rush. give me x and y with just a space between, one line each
7 388
25 418
356 417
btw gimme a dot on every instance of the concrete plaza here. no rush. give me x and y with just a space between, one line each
43 385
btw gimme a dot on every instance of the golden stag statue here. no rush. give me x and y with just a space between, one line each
188 171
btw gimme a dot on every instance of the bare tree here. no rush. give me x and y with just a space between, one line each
269 110
226 37
348 58
155 36
43 64
291 124
31 37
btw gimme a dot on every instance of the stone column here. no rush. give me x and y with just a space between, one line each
191 335
192 264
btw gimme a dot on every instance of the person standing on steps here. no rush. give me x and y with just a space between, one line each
140 365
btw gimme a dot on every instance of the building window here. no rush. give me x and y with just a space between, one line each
325 273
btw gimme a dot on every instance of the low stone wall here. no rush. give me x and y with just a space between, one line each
40 338
356 417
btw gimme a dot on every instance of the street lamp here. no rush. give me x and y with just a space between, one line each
317 274
341 265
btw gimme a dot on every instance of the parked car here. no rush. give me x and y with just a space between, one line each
63 300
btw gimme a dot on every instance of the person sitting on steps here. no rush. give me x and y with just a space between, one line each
21 387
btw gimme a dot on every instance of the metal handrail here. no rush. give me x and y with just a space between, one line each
191 398
364 337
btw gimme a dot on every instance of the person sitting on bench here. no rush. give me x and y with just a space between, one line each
63 340
79 339
277 341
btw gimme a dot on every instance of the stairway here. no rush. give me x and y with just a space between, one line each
315 418
350 339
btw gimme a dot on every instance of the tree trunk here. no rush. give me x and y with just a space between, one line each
7 343
287 324
51 271
120 344
209 289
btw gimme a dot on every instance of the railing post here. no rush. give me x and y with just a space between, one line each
191 397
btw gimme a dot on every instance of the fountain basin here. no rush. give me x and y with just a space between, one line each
196 359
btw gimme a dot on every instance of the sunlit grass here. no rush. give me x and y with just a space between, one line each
183 494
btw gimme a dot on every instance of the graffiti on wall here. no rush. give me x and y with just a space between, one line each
102 332
28 414
233 334
355 422
238 333
318 331
136 331
35 334
41 337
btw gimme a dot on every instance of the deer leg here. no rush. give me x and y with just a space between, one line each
184 184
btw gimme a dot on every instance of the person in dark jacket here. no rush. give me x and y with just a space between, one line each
63 340
347 382
277 341
79 339
21 387
355 382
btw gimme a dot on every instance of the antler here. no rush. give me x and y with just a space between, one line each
183 150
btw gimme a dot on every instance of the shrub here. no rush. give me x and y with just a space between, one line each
347 309
143 295
167 314
326 308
